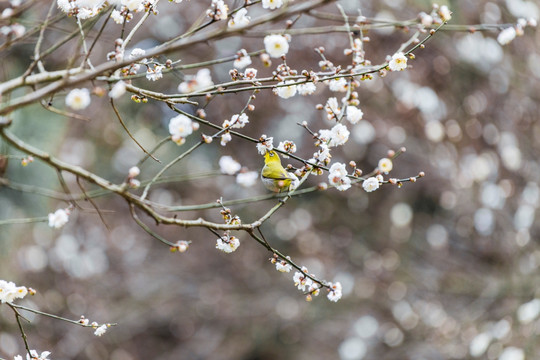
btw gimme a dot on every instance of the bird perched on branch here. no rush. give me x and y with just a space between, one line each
273 174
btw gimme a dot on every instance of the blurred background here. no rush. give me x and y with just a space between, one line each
445 268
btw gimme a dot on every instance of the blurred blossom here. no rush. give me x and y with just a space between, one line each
475 103
509 151
479 51
422 97
405 315
434 131
397 135
437 236
491 134
491 14
287 308
512 353
353 348
524 217
531 194
366 326
492 196
479 344
533 61
401 214
484 221
393 337
529 311
501 329
363 132
522 8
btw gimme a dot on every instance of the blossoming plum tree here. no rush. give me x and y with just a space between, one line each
107 66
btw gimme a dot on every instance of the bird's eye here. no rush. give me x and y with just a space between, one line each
271 154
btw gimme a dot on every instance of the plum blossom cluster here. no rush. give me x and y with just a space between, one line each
508 34
227 243
265 144
239 19
9 291
304 283
59 218
338 177
193 84
281 264
218 10
181 127
34 355
99 330
438 15
180 246
337 136
86 9
133 172
12 31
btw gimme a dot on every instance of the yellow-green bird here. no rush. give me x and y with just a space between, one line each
273 174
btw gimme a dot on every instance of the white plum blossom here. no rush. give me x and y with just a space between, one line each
247 179
180 127
228 165
336 136
221 9
283 266
59 218
155 73
339 85
276 45
354 114
9 291
117 17
225 138
385 165
78 99
323 155
118 90
370 184
237 121
507 35
425 19
332 108
335 293
101 330
306 89
285 92
337 176
272 4
198 82
34 356
398 62
136 53
301 280
251 73
227 243
243 60
287 146
265 144
133 5
239 19
445 13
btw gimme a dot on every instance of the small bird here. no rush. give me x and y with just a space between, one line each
273 174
